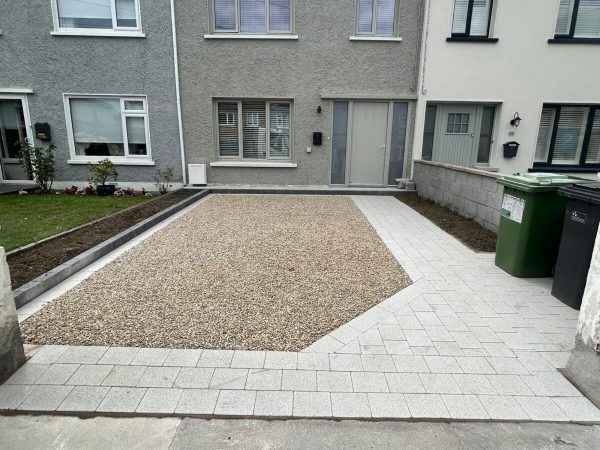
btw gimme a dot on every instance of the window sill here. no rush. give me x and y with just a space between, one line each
115 161
574 41
285 37
479 39
565 169
268 164
99 33
376 38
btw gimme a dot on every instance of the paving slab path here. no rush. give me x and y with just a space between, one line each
465 341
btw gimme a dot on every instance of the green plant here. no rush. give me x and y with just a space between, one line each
38 163
101 172
162 180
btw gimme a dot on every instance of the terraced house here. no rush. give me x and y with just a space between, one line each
96 78
298 92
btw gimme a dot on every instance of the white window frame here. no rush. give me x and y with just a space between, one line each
242 123
373 33
127 159
115 31
238 19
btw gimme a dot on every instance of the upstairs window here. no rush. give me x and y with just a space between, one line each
376 17
252 16
117 15
472 18
578 19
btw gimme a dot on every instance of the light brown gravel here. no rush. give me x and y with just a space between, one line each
238 272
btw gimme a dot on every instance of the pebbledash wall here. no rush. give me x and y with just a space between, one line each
471 193
320 65
52 65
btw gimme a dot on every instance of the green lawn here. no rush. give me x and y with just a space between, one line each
28 218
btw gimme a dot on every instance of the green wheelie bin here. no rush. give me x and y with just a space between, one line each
531 220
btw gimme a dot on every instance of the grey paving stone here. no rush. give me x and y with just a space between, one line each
347 404
474 364
48 354
28 374
541 408
507 366
11 395
194 377
125 376
57 374
417 338
248 359
426 406
84 398
405 383
498 349
81 355
122 399
264 380
398 348
215 358
159 400
274 404
45 398
439 383
378 363
281 360
391 332
313 361
183 358
334 381
235 403
373 349
119 355
465 407
442 364
385 405
369 382
345 362
449 349
151 357
474 384
509 385
550 384
197 401
578 409
89 375
410 363
409 322
501 407
159 377
229 378
299 380
312 404
438 333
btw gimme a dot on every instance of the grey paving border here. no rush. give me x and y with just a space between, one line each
47 281
301 191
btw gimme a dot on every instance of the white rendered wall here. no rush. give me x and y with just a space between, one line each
521 72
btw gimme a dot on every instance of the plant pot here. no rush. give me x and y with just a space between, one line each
106 189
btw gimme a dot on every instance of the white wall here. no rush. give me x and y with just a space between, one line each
521 71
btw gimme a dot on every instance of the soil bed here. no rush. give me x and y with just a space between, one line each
39 259
465 230
251 272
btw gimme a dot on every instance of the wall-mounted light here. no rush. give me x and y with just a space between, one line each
319 109
516 120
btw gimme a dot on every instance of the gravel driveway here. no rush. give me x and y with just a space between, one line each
261 272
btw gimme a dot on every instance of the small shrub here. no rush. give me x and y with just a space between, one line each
163 179
39 164
101 172
125 192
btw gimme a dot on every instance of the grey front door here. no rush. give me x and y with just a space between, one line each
368 141
456 134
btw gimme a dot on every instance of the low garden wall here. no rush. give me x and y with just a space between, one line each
469 192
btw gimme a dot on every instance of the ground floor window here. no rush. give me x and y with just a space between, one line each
108 127
569 136
254 129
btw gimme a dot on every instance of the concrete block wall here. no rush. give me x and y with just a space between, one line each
472 193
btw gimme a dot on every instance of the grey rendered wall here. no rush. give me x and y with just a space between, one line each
52 65
322 61
469 192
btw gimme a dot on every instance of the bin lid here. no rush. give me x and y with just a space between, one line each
587 192
537 182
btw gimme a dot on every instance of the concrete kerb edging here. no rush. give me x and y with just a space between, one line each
47 281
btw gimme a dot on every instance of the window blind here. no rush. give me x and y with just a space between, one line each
126 13
252 16
459 20
280 15
229 143
279 130
588 19
85 14
565 11
254 128
225 15
544 134
480 17
593 150
569 136
386 13
365 16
